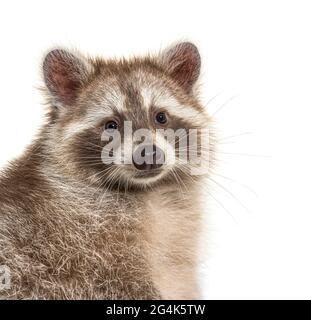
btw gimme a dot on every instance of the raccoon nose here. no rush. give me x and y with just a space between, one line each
148 157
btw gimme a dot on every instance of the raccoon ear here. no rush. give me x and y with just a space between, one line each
64 75
183 63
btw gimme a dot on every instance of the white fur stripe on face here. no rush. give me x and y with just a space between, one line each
176 109
92 118
148 96
153 96
112 101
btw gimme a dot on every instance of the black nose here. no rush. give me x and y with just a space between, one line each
148 157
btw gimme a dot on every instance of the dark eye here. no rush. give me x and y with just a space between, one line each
161 118
111 125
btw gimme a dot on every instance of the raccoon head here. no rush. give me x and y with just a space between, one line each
110 120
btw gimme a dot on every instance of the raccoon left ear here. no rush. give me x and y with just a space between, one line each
183 63
64 75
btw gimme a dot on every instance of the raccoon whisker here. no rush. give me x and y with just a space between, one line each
104 186
107 184
90 146
102 159
230 193
202 154
110 181
222 206
175 175
105 171
194 152
234 181
176 179
223 105
101 175
194 148
98 173
118 191
98 161
126 185
211 99
93 157
244 154
90 184
234 136
207 157
102 197
87 142
184 169
93 162
114 179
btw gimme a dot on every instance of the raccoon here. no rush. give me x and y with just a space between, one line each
73 226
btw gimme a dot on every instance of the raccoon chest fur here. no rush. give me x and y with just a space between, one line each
79 245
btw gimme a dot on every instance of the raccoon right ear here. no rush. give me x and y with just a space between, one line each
183 63
64 75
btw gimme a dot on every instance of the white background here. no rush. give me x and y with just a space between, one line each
256 59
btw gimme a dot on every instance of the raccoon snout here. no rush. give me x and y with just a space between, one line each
148 157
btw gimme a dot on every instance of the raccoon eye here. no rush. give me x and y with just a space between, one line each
111 125
161 118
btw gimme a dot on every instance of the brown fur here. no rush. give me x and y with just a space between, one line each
67 232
